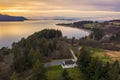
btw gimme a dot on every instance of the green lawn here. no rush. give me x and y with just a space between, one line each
99 53
76 74
97 50
54 73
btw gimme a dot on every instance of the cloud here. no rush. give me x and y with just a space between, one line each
62 7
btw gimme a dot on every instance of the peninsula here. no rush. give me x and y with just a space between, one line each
11 18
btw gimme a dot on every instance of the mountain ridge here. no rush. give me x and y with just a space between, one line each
11 18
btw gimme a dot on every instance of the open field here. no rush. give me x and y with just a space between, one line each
54 73
114 55
106 55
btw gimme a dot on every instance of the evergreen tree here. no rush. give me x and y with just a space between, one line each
94 69
98 33
113 73
38 70
1 57
73 40
65 75
14 76
84 59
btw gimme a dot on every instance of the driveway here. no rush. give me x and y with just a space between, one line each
59 62
55 63
73 54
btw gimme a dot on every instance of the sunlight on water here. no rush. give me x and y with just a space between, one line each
14 31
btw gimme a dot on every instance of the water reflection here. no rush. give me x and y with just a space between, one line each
14 31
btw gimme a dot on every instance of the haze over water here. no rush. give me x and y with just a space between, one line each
13 31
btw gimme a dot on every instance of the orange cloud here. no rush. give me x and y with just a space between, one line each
60 7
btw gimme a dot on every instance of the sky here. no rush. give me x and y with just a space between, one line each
74 8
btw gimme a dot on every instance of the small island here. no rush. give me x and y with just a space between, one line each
11 18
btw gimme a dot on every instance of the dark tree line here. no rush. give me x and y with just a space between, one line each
46 33
79 24
29 52
65 75
97 34
95 69
82 23
116 37
3 52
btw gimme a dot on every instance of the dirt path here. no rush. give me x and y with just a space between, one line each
115 55
74 56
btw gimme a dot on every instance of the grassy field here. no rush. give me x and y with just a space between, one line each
76 74
101 54
54 73
113 55
106 55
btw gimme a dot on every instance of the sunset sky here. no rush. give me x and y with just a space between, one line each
75 8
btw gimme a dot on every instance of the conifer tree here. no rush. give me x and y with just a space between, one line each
65 75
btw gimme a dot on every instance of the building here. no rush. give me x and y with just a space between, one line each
68 64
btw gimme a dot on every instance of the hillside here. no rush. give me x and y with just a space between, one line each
11 18
43 46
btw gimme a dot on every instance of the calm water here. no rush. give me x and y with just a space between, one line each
13 31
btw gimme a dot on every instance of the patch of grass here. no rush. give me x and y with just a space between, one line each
100 53
89 25
97 50
101 56
76 74
54 73
53 68
60 59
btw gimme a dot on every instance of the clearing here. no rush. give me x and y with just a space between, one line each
106 55
54 73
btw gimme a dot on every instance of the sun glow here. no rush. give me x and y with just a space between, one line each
77 8
14 10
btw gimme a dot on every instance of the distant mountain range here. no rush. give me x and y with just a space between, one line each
54 18
117 20
11 18
66 18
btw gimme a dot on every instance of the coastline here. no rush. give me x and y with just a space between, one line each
81 28
24 29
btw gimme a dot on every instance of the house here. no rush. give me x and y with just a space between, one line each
68 64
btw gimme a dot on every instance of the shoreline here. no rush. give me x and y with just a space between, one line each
88 30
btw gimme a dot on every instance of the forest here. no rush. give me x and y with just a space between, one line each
40 44
95 69
29 55
26 59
